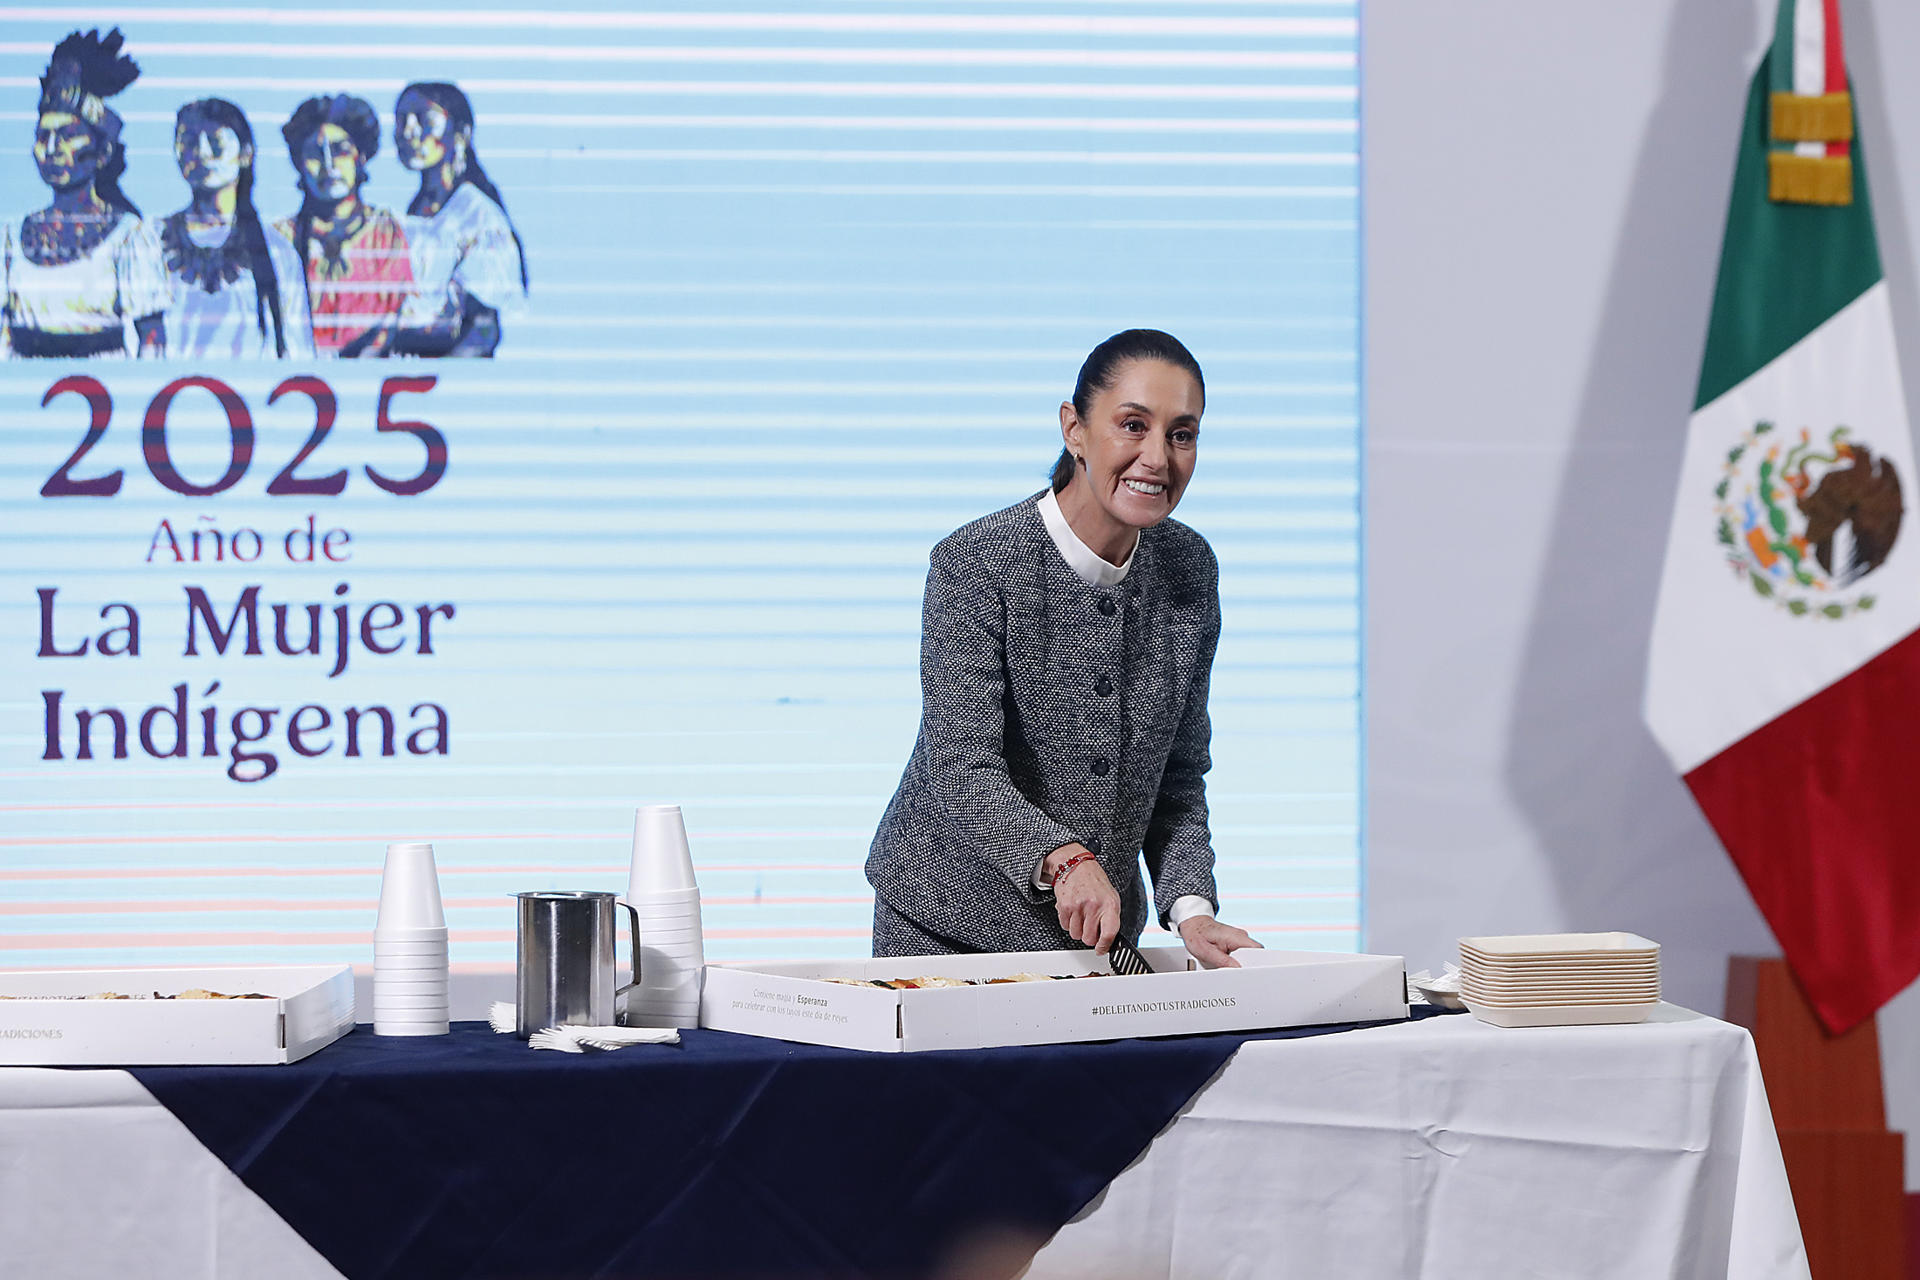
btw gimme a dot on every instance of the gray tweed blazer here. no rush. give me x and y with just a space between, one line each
1051 711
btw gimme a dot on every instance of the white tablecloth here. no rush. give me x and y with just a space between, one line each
1439 1149
1450 1148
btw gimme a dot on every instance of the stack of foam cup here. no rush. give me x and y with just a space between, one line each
410 946
663 894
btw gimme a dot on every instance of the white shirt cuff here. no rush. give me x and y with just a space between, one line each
1039 865
1185 909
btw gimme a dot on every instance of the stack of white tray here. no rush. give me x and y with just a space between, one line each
1560 979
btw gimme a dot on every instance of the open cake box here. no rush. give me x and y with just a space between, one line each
309 1007
795 1000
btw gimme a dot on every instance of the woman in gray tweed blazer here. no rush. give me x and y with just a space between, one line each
1066 644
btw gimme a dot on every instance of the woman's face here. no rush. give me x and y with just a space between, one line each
66 150
422 131
210 155
330 165
1139 442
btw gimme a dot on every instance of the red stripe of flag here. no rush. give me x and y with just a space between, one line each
1820 812
1836 64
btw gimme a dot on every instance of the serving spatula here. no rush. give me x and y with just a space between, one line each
1126 960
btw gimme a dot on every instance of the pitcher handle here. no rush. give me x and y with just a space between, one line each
633 942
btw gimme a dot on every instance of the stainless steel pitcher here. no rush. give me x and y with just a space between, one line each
564 960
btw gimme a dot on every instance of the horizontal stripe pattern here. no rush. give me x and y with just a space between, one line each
807 289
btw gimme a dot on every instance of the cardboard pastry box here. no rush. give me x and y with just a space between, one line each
310 1008
792 1001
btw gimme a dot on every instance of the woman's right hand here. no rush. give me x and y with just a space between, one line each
1088 906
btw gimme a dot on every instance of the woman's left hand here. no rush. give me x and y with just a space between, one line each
1211 943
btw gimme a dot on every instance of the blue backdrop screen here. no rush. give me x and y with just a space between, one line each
575 439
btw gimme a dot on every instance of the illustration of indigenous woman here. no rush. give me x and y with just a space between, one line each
359 278
472 265
238 289
83 276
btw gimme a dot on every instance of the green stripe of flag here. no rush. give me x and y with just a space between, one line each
1784 268
1778 68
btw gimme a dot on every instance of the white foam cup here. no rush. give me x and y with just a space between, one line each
662 862
674 925
666 978
658 971
413 940
675 953
662 936
671 920
669 973
396 984
410 889
648 898
669 977
390 1027
681 924
675 988
680 980
381 947
409 999
401 933
671 913
410 959
669 957
663 933
689 1017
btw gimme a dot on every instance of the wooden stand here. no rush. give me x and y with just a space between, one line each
1846 1169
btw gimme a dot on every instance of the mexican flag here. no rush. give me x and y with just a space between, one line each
1784 678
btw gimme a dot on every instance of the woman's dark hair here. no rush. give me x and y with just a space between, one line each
355 115
106 181
362 125
459 111
218 113
1103 365
90 66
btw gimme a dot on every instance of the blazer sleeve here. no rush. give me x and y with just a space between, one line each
963 721
1179 846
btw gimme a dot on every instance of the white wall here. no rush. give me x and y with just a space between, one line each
1545 188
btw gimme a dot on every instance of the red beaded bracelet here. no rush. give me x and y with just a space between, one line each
1068 866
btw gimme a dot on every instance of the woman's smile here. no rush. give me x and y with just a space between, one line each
1134 453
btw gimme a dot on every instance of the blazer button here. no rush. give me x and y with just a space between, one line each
1093 844
1102 766
1103 686
1107 606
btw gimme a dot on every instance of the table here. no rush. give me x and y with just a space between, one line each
1451 1148
1432 1149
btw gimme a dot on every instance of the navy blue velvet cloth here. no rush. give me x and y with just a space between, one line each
471 1155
